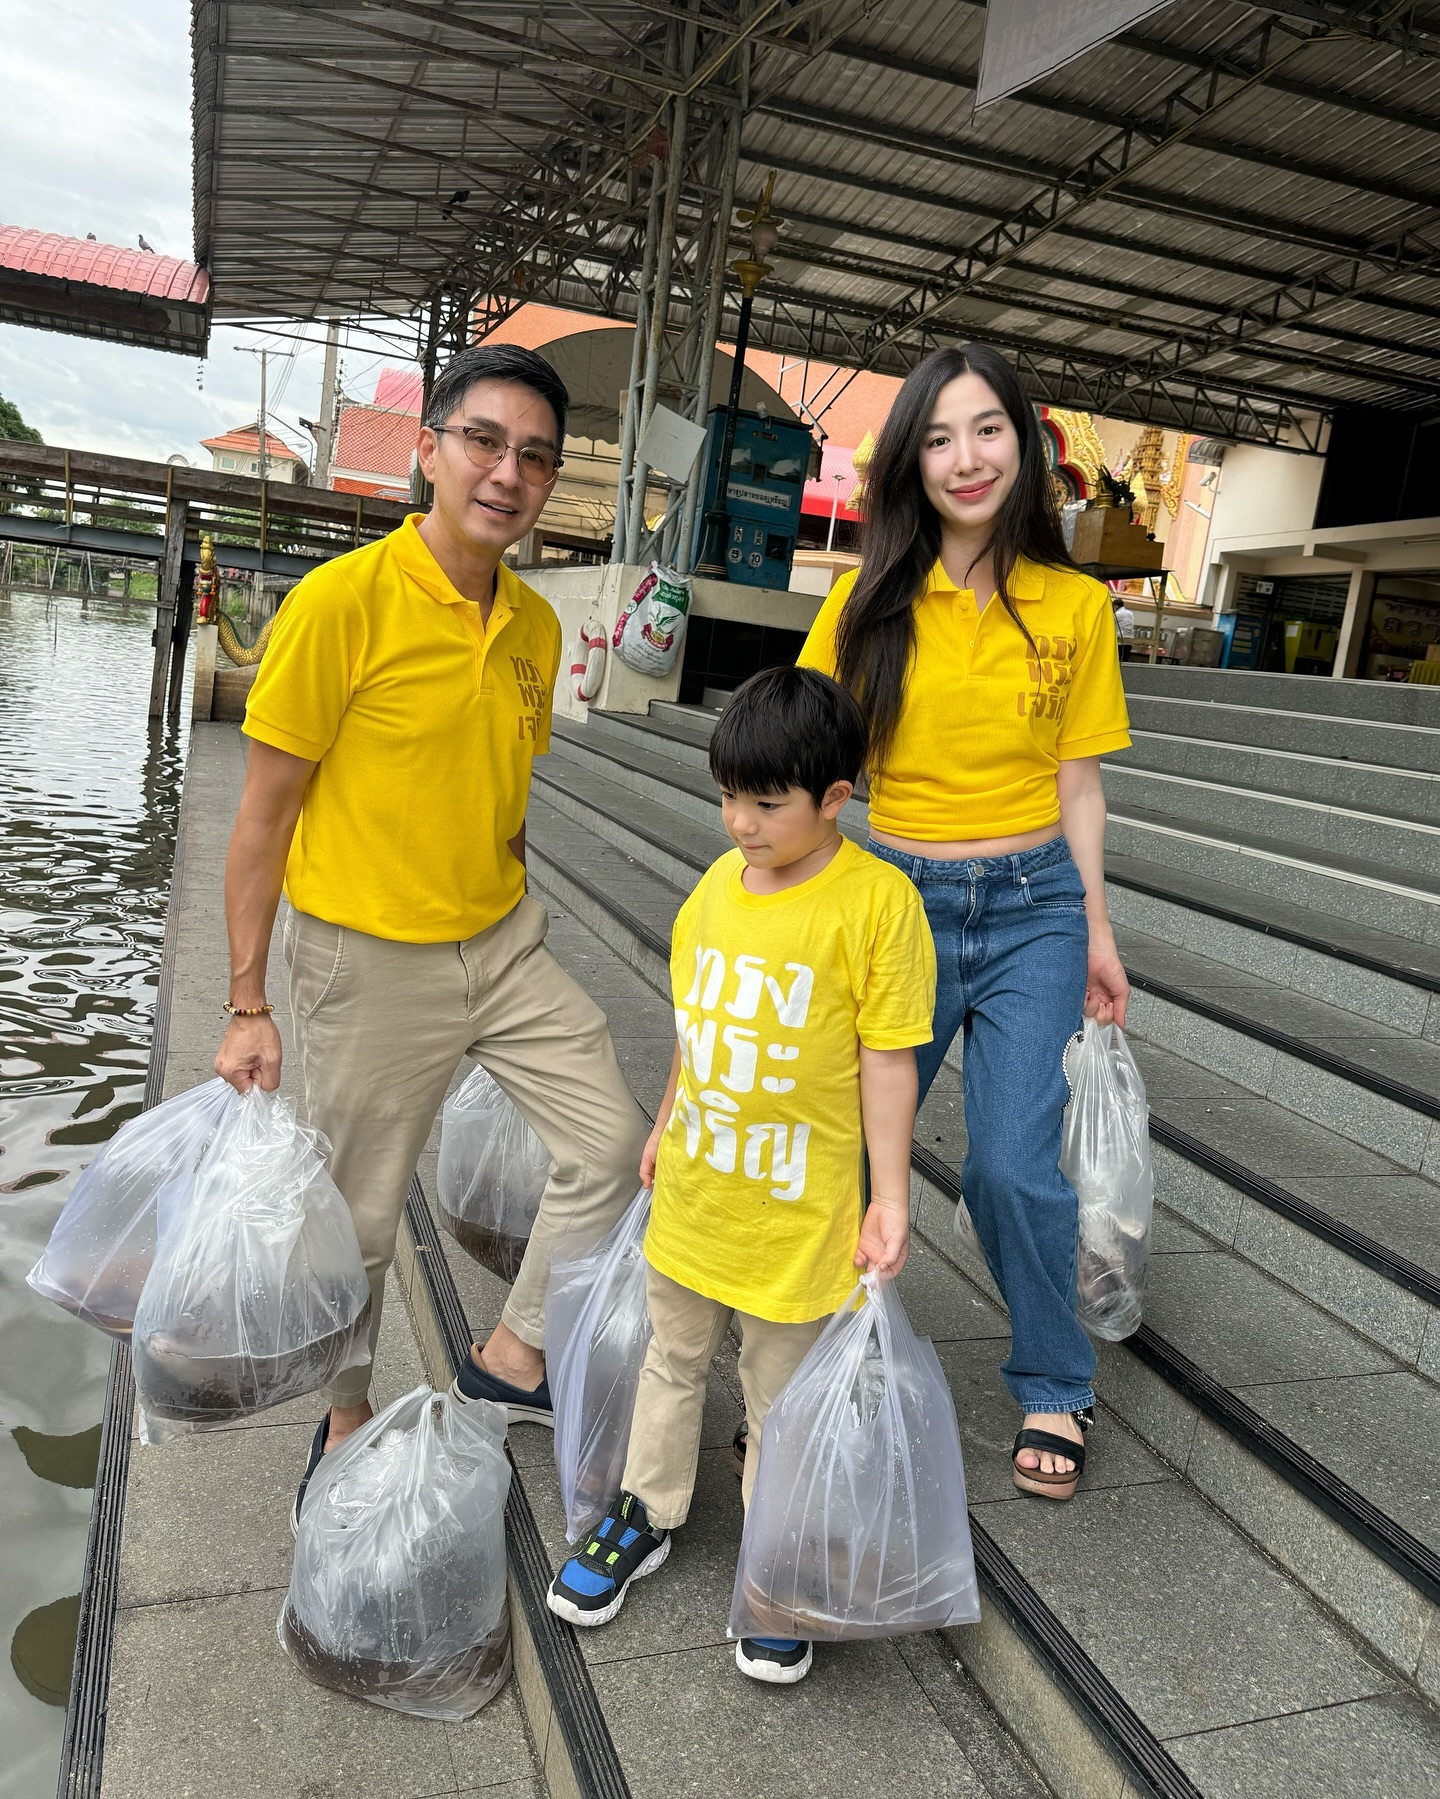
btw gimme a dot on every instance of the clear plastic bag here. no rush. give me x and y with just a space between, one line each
597 1329
103 1243
967 1238
493 1170
857 1526
398 1590
258 1293
1105 1155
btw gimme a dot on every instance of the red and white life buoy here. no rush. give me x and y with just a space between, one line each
587 666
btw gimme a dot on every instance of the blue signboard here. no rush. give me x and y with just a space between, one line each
767 484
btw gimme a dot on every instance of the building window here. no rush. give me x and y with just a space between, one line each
254 468
227 462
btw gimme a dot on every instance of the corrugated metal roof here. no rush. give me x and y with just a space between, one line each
1267 244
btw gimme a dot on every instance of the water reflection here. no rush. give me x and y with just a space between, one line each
89 791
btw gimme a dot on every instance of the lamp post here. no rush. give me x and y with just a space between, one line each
839 481
751 271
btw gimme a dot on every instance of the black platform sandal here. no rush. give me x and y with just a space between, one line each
738 1446
1051 1486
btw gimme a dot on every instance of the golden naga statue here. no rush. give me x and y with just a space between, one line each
243 655
207 581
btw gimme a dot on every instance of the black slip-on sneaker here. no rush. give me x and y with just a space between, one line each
519 1406
780 1661
317 1451
591 1587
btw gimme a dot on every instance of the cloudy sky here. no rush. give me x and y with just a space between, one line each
95 136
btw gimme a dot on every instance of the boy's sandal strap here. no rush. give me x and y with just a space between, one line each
1051 1444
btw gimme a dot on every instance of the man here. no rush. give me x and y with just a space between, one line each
404 692
1124 628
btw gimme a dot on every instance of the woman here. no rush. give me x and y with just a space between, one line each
987 668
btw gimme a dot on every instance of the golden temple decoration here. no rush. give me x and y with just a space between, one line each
1175 478
1142 470
1082 448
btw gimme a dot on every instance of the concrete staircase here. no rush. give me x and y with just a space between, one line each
1243 1598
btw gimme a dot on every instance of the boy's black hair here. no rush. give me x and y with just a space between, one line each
788 727
497 362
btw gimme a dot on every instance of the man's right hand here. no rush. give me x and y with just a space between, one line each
250 1054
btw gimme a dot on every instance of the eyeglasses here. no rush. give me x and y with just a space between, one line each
538 467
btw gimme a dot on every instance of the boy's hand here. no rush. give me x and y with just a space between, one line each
884 1238
649 1153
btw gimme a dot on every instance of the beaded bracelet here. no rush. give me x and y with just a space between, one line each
246 1011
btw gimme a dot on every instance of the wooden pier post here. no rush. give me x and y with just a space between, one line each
180 638
167 596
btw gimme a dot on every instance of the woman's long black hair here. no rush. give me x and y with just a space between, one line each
900 539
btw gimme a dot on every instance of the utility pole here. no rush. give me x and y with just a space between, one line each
264 360
325 423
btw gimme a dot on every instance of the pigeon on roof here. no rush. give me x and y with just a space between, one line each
145 246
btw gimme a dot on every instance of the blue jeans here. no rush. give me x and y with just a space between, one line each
1010 947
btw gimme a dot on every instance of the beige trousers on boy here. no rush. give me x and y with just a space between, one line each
381 1027
665 1435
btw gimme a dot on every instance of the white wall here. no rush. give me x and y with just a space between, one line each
1263 491
578 592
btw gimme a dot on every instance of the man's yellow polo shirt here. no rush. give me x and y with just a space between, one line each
423 723
984 725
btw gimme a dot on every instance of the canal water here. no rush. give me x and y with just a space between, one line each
89 794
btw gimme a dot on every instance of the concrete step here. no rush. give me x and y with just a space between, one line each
1317 695
1367 894
1379 741
1234 1188
1392 979
1105 1564
1361 892
679 731
1381 1086
1330 780
1407 850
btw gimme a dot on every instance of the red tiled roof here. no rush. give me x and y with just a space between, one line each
246 439
102 265
375 442
400 390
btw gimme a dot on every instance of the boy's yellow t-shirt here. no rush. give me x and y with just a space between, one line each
758 1187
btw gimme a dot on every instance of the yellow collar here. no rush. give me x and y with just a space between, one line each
1027 581
415 558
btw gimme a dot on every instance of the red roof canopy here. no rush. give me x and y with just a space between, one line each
90 289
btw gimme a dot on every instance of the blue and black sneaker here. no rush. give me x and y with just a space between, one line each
521 1405
779 1660
591 1587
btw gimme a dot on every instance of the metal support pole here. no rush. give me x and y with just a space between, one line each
421 492
630 435
660 309
714 298
711 561
167 595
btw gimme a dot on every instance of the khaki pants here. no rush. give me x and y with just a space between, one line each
381 1027
665 1434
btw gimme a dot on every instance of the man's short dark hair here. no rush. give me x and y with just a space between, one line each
788 727
497 362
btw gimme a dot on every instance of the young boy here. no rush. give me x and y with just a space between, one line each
803 976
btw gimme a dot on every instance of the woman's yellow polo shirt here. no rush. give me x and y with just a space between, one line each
984 726
422 723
